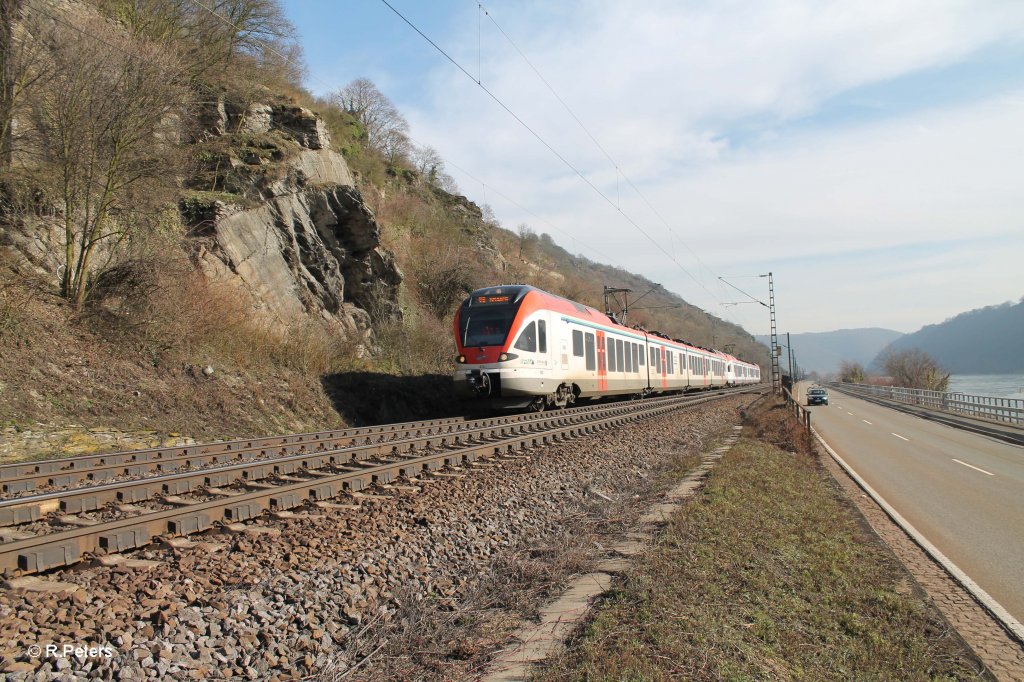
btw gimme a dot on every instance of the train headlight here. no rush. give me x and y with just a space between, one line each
504 357
461 359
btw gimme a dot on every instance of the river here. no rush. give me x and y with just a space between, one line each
997 385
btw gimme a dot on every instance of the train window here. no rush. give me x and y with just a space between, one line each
611 355
591 355
486 326
577 343
657 360
528 338
641 355
619 352
668 363
636 357
629 356
542 335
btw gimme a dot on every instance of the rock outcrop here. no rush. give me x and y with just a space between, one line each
286 228
311 245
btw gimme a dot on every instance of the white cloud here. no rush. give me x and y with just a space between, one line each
663 86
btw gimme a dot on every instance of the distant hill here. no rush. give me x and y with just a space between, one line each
823 351
982 341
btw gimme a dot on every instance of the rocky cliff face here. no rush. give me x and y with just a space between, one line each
287 228
310 245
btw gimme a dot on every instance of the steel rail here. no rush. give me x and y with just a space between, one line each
31 508
140 462
24 476
63 472
59 464
54 550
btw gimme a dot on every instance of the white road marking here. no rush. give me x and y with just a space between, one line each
850 413
973 467
866 422
901 437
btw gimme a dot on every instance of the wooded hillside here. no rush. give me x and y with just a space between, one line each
982 341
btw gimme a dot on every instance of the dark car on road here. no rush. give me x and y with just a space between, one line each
817 396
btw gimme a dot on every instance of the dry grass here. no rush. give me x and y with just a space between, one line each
768 576
143 370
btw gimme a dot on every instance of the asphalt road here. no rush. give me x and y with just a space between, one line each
962 491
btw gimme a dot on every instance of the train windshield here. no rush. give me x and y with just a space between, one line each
486 326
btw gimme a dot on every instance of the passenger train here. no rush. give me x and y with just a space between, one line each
523 347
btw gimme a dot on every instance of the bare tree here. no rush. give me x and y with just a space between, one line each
210 34
22 65
428 163
103 123
386 128
913 368
526 236
851 372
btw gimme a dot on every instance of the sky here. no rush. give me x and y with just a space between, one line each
870 155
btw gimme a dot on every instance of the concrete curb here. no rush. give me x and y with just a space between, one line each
535 643
994 608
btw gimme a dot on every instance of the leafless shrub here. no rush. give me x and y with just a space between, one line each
851 372
913 368
441 280
420 344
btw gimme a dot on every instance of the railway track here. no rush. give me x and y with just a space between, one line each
173 492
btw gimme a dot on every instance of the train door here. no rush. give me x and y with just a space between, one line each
546 353
664 367
646 355
602 367
564 350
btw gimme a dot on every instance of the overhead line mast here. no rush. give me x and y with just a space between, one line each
776 378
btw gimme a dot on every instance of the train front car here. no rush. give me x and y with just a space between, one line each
506 346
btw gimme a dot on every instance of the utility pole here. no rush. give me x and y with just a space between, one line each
789 348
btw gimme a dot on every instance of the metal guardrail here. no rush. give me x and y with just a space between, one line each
1005 410
803 415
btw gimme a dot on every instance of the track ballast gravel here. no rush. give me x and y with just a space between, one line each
286 597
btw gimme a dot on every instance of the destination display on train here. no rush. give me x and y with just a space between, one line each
493 299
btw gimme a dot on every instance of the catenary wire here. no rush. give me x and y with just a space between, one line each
550 148
601 147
